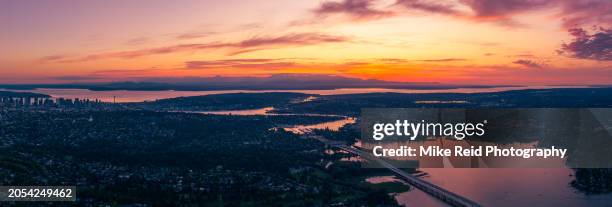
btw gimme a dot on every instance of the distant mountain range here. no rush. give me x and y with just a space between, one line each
275 82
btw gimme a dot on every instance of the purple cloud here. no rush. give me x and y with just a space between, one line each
527 63
498 11
357 9
573 13
597 46
579 13
503 8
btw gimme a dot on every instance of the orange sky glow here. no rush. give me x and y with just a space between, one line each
529 42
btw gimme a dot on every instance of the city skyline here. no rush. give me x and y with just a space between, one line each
525 42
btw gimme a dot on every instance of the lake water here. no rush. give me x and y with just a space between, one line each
513 186
121 96
299 129
261 111
332 125
413 197
487 186
500 186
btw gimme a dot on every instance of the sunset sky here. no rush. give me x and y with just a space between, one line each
531 42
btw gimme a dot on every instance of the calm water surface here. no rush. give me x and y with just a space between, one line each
501 187
140 96
487 186
261 111
299 129
513 187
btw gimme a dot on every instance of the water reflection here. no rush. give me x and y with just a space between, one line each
261 111
501 187
122 96
489 186
413 197
333 125
298 129
515 187
416 197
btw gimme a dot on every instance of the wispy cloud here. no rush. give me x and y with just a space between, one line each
388 69
76 78
527 63
125 72
240 63
137 41
52 58
248 45
193 35
524 55
277 64
444 60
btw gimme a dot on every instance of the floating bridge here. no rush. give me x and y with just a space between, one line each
444 195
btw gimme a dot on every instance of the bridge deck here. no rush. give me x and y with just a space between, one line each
427 187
